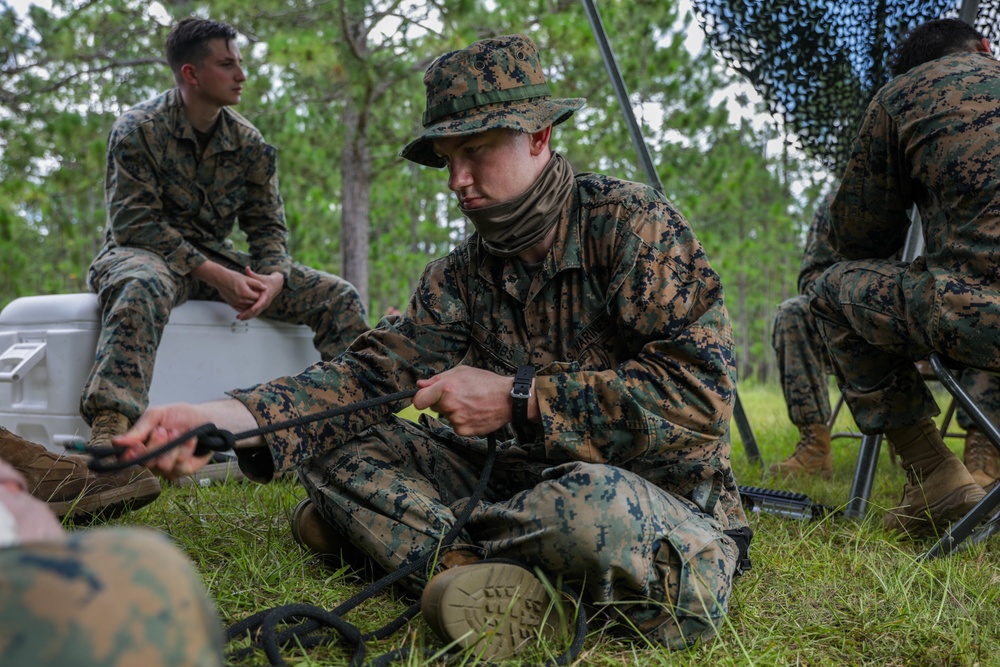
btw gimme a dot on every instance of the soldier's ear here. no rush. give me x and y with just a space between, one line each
189 74
984 46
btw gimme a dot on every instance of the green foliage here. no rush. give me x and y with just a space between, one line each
337 88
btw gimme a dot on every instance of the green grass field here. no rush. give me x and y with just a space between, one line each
828 592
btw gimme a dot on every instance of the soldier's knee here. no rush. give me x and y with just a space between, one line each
131 591
595 491
144 288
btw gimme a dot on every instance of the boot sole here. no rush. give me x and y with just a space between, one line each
111 503
494 608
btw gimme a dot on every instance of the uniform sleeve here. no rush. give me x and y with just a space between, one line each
262 217
675 390
868 216
133 191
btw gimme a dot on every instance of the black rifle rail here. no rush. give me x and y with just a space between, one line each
788 504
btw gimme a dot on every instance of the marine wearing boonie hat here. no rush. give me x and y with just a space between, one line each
494 83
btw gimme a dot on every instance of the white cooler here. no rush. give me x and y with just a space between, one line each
47 347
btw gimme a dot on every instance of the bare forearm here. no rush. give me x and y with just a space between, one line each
231 415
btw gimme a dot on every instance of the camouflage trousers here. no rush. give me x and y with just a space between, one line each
880 316
104 598
803 364
396 489
984 389
137 291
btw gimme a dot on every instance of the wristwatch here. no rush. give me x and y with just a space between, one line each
521 392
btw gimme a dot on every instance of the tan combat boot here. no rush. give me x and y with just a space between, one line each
981 458
70 488
938 490
311 531
496 609
107 424
812 455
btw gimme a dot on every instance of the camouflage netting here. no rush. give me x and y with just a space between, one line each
817 63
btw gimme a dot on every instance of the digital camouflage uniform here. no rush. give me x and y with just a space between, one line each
96 598
627 486
803 365
803 362
928 138
171 207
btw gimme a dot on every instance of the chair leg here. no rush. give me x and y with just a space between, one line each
864 477
746 434
966 525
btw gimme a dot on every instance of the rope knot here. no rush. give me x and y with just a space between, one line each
213 439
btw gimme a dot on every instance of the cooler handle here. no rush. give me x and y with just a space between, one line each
19 359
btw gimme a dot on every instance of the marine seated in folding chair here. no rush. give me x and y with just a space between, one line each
804 366
878 316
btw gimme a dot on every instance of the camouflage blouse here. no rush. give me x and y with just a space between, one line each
167 196
624 322
931 137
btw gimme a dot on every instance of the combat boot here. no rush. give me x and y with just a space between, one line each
945 495
70 488
495 609
938 489
311 531
981 458
107 424
812 455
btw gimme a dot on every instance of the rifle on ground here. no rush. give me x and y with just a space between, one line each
784 503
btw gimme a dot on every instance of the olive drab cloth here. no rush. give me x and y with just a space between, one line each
171 206
803 366
105 597
102 597
628 485
928 138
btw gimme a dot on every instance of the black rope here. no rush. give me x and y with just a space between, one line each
214 439
263 627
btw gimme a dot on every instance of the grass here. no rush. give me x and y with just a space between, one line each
827 592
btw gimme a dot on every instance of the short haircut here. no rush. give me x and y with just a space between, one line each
930 41
188 41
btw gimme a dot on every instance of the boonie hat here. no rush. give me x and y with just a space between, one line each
494 83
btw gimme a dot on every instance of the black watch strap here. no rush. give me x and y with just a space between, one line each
520 393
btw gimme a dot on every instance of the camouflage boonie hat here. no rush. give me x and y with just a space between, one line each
491 84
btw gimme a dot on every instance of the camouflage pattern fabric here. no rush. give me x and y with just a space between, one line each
803 366
171 207
625 324
493 83
396 489
984 389
926 139
104 598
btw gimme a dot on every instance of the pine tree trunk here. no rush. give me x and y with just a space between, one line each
356 177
